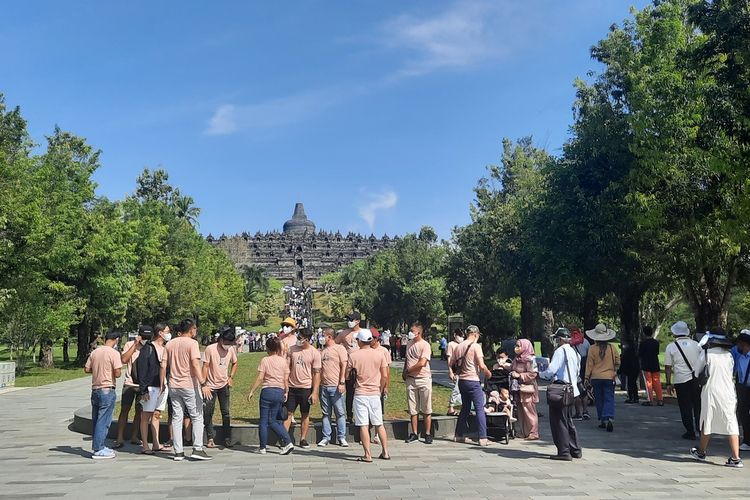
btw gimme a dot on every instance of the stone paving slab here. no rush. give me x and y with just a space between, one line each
643 458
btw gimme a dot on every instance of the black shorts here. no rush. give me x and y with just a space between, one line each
299 397
128 396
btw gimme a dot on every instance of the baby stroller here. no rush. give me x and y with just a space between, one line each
499 426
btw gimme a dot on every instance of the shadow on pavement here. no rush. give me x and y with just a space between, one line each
72 451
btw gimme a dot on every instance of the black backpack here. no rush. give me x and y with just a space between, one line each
147 349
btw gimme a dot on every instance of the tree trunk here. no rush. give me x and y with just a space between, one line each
47 359
590 311
630 314
549 329
66 354
82 332
709 297
531 314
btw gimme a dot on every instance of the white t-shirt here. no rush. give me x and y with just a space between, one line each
385 337
694 354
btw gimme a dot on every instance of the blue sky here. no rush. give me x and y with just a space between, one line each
379 116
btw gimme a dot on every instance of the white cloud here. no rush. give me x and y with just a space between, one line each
378 202
222 122
272 113
465 34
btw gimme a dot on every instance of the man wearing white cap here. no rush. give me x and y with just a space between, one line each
372 375
682 358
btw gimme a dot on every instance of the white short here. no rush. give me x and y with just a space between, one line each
157 400
367 410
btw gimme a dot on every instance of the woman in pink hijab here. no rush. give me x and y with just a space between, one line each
523 381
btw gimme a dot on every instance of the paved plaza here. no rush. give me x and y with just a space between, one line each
643 458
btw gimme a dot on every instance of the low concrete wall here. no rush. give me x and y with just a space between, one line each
247 434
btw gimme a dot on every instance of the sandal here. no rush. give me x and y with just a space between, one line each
118 445
383 457
363 459
163 449
147 452
136 442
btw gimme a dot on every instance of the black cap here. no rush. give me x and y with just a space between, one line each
562 333
354 316
146 332
227 333
112 335
744 337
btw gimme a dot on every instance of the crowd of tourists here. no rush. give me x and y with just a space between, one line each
347 373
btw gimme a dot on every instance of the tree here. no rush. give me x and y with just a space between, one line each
184 207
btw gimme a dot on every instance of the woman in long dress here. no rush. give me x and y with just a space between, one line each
718 399
524 370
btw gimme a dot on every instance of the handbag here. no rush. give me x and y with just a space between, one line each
560 393
703 377
527 389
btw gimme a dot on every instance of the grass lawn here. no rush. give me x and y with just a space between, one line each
244 412
35 376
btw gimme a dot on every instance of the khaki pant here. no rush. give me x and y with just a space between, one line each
419 395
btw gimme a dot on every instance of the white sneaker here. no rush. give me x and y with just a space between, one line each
745 447
343 443
104 454
261 451
375 440
286 450
323 442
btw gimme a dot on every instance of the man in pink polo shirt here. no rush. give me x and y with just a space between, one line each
217 359
372 375
104 365
418 379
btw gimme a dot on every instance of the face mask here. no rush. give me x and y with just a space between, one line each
144 341
459 339
227 346
300 342
287 329
351 324
166 336
410 336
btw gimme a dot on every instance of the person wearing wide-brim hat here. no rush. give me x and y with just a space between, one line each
601 370
683 359
718 399
288 334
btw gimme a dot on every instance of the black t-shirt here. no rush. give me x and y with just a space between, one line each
648 353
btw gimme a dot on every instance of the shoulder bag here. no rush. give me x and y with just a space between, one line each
458 365
703 377
559 392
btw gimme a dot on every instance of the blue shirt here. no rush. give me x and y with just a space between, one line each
558 370
741 365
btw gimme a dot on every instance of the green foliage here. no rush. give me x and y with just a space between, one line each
399 285
71 261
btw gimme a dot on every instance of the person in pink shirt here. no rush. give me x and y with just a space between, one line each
104 365
332 387
304 382
418 379
129 356
273 375
371 377
217 359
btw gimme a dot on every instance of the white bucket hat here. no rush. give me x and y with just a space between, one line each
601 333
680 329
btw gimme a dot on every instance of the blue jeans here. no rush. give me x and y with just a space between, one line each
471 392
271 399
604 392
332 399
102 407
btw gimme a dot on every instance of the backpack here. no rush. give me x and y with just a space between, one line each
147 349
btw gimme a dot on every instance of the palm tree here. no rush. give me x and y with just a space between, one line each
184 208
256 282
